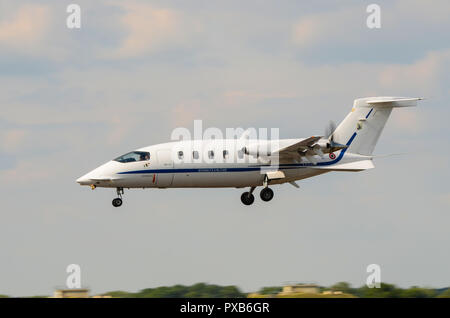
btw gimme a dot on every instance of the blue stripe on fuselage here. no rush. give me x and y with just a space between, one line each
243 169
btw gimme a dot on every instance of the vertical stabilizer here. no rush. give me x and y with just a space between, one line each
367 120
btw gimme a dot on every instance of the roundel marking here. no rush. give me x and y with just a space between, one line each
332 156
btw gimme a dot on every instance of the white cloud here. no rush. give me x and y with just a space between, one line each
401 23
36 31
24 28
327 27
184 114
149 29
424 75
25 172
409 120
12 139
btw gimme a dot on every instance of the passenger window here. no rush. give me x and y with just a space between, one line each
195 155
133 157
180 155
240 154
211 154
225 154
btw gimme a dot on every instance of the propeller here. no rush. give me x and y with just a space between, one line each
329 131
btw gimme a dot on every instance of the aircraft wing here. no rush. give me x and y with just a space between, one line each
298 149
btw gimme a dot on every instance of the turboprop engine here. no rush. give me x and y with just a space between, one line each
257 150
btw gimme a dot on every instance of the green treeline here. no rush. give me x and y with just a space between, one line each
205 290
199 290
390 291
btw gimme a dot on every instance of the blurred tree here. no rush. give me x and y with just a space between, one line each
385 291
231 292
445 294
200 290
119 294
271 290
417 292
343 287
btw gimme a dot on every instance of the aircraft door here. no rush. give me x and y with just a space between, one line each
165 163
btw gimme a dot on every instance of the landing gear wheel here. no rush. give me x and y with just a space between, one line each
247 198
266 194
117 202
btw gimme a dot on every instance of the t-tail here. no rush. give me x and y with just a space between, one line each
362 127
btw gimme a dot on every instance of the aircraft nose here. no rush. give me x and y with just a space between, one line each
84 180
99 174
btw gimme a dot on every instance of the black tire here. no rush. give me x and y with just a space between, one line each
266 194
117 202
247 198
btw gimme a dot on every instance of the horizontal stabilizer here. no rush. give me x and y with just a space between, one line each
350 166
393 102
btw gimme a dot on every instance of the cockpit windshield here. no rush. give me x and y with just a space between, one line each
134 156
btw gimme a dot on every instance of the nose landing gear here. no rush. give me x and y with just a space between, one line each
118 201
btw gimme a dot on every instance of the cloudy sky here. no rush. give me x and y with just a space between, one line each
72 99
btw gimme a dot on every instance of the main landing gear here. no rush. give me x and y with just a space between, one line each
118 201
266 194
247 197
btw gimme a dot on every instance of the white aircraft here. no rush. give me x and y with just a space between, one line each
250 163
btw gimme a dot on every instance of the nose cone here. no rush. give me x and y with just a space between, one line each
84 180
99 175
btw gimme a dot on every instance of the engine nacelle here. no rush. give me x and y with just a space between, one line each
323 144
257 150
